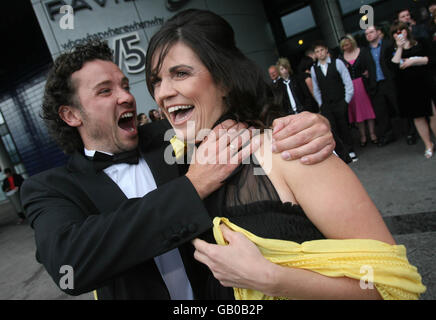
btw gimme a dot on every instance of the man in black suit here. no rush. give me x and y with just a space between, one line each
380 82
275 79
118 211
293 97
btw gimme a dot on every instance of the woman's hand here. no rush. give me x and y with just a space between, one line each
406 64
398 53
400 41
415 61
239 264
306 136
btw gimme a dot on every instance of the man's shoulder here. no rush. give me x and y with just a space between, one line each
387 44
365 49
339 62
48 176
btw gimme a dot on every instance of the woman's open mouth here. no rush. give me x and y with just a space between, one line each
127 122
180 114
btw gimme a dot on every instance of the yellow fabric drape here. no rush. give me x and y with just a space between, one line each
393 276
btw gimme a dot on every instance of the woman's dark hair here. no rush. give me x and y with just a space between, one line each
213 40
60 90
152 116
400 26
306 63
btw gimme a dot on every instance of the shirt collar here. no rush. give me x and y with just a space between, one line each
378 44
90 153
329 60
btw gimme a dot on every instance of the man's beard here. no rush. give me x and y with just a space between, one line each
94 131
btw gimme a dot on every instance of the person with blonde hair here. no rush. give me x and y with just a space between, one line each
293 98
360 109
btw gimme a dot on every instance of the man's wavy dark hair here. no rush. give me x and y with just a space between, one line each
213 40
60 90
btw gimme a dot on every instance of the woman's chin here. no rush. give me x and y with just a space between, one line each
191 133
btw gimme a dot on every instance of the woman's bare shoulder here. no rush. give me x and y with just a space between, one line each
274 167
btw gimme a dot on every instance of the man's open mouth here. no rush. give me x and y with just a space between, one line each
180 114
127 121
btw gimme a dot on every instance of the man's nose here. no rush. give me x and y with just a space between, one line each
125 96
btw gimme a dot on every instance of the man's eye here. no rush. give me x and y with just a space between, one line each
104 91
127 88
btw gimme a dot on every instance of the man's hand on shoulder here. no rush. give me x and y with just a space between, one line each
305 136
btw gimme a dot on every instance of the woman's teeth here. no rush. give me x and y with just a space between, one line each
177 108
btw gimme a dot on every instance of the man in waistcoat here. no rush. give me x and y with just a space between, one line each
333 90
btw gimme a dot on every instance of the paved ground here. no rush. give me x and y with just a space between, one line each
401 182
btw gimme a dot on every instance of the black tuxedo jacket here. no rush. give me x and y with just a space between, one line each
82 219
301 99
387 66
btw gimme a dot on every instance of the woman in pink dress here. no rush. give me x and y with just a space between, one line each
360 109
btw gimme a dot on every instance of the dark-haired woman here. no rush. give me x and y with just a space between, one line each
415 85
197 75
154 115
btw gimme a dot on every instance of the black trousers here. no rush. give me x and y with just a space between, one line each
337 114
385 104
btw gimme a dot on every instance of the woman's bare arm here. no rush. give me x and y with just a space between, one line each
338 205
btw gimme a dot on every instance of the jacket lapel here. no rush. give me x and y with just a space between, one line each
161 170
103 193
101 190
153 150
382 50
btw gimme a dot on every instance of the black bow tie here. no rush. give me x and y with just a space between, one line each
102 160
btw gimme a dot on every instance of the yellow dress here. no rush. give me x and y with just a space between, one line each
393 276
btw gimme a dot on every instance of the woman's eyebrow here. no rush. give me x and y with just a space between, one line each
175 68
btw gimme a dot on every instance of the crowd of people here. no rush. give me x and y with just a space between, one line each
367 86
153 116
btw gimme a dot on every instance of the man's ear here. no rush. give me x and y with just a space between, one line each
70 116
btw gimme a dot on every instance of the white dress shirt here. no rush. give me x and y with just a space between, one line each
136 181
